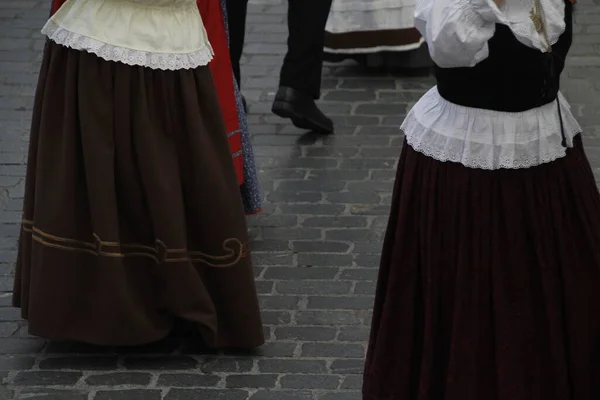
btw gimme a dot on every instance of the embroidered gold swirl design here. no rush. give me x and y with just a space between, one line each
233 248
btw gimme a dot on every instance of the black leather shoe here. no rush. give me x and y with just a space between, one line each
302 110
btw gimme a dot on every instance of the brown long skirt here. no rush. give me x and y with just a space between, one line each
489 285
132 215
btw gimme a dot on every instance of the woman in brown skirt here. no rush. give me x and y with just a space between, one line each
132 215
490 276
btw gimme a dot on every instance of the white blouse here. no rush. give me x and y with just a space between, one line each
457 33
159 34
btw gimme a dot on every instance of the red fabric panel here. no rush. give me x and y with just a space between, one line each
56 4
222 72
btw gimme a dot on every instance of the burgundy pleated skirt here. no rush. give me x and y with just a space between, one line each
132 213
489 285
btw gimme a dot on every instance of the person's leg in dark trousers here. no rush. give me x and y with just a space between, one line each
300 81
303 62
300 78
236 16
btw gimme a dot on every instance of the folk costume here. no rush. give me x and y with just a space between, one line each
132 214
488 285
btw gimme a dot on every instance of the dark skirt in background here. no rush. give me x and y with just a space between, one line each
489 285
132 216
368 49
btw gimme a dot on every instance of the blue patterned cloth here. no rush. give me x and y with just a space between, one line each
250 188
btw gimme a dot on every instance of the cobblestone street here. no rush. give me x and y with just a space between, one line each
316 245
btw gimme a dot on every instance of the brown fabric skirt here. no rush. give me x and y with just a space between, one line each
489 284
362 48
132 215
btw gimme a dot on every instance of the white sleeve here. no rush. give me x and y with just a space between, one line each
457 31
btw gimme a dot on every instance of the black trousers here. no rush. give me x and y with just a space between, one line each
303 63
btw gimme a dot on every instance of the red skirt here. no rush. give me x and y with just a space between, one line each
489 284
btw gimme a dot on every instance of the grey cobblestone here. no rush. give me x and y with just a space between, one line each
119 379
129 394
52 394
206 394
46 378
310 382
316 246
252 381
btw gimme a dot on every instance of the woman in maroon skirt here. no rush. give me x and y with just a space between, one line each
490 275
132 215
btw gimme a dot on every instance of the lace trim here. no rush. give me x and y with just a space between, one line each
514 147
108 52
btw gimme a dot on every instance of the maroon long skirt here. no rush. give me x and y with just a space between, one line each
489 285
132 214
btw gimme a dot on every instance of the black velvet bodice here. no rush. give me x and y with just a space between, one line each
513 78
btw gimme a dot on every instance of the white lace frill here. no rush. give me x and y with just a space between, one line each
108 52
163 35
488 139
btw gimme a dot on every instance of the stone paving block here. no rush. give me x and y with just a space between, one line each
282 395
160 363
340 303
9 314
347 395
16 362
336 222
206 394
276 317
325 260
270 245
7 329
347 367
62 348
129 394
21 346
93 363
275 302
327 317
52 394
295 273
310 382
275 349
312 209
333 350
292 366
265 287
359 274
313 287
251 381
320 247
46 378
188 380
353 334
5 298
119 379
305 333
265 259
226 365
